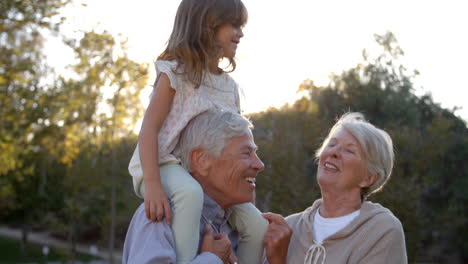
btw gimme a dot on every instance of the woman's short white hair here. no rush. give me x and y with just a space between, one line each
210 130
375 143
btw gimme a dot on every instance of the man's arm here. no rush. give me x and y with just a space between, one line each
153 242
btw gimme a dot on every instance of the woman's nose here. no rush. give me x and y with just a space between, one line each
335 151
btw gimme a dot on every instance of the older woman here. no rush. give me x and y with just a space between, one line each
354 161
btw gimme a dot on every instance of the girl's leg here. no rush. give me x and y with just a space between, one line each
134 168
251 225
186 203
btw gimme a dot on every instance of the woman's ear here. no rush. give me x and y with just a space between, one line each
368 180
200 161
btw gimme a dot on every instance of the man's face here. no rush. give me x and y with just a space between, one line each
231 177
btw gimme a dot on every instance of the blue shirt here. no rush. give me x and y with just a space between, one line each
153 242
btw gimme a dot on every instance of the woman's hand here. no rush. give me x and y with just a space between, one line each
277 238
156 203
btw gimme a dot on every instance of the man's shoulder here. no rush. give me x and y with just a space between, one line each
142 234
140 221
141 226
139 217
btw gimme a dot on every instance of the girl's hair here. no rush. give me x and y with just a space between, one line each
192 42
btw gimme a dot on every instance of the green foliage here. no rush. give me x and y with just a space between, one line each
426 191
61 138
24 111
65 143
10 252
21 69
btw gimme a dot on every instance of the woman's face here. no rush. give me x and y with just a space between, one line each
342 165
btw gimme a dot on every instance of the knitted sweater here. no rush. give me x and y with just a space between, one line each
375 236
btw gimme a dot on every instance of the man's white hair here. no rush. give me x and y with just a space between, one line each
210 130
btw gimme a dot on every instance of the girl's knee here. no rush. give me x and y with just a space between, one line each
257 223
247 218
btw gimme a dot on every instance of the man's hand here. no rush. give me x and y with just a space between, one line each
233 258
277 238
217 244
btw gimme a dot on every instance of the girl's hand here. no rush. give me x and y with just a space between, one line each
156 203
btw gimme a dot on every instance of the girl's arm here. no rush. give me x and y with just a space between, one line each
156 202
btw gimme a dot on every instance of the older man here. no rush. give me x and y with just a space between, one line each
227 179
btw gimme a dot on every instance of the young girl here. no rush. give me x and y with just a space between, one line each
189 82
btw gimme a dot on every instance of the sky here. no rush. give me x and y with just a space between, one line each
287 42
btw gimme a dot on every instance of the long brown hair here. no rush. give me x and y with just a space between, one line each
192 42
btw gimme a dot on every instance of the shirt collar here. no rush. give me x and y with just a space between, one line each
212 211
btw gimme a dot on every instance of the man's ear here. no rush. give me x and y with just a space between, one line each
200 161
368 180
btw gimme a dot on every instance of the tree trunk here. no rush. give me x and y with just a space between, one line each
24 238
115 102
112 225
71 240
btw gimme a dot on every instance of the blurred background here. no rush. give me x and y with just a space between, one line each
75 77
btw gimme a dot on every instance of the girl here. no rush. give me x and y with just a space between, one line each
189 82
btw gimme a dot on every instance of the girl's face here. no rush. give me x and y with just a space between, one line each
228 36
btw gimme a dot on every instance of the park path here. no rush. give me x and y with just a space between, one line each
44 239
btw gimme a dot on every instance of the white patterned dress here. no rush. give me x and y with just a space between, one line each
216 91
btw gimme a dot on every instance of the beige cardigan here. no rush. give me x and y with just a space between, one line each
375 236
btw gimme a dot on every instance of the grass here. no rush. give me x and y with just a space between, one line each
10 252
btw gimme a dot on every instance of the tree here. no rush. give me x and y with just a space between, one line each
23 115
105 71
54 130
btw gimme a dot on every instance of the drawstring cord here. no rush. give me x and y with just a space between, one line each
314 253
